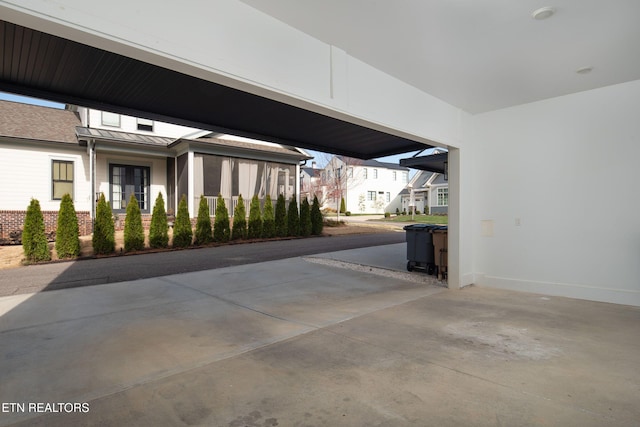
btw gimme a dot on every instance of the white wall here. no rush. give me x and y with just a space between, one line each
567 169
130 124
26 173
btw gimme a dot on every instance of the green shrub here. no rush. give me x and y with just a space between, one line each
159 228
342 205
182 233
239 230
293 217
204 233
426 210
34 239
67 231
305 218
281 217
316 217
103 240
255 219
268 220
133 231
347 213
387 215
221 230
397 211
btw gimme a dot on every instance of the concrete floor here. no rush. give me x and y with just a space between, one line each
303 342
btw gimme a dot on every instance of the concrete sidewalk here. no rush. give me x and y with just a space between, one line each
302 342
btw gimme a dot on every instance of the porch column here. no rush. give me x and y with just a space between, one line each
190 184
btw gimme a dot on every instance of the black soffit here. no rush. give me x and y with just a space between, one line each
431 163
46 66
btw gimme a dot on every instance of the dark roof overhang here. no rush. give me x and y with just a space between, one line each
38 64
431 163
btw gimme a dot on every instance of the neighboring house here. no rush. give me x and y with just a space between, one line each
47 152
430 191
368 186
311 183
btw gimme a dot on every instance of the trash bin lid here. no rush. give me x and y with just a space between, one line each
420 227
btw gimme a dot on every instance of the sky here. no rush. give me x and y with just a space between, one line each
319 157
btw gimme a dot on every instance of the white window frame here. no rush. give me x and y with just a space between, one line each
110 119
371 196
375 174
144 123
441 193
364 173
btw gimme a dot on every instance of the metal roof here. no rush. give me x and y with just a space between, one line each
38 64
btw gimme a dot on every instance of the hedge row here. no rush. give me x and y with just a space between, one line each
262 224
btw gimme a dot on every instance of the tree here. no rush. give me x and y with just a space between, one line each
305 218
343 209
159 228
34 239
316 218
67 231
221 230
133 231
293 217
338 176
239 230
204 234
103 240
268 219
182 233
255 219
281 217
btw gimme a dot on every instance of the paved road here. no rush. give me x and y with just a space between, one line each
117 269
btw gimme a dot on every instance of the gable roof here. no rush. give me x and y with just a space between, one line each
37 123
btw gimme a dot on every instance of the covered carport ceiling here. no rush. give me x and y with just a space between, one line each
37 64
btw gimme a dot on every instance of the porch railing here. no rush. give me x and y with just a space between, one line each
230 203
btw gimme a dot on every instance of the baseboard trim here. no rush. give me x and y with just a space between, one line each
591 293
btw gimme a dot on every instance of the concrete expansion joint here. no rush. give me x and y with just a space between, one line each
378 271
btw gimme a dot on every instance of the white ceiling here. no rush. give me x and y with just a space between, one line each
479 55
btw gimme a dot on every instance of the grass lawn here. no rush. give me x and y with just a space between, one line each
421 219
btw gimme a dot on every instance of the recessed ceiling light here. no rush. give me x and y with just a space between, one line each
584 70
543 13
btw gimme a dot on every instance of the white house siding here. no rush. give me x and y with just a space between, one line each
28 175
384 184
130 124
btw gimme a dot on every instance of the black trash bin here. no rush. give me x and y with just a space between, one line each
420 250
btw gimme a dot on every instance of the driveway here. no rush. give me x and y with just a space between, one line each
311 341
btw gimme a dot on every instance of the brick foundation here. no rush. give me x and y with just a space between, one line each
11 221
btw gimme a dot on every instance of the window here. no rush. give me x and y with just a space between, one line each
388 197
146 125
350 172
405 177
110 119
443 197
61 178
127 180
395 175
375 174
364 173
371 196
